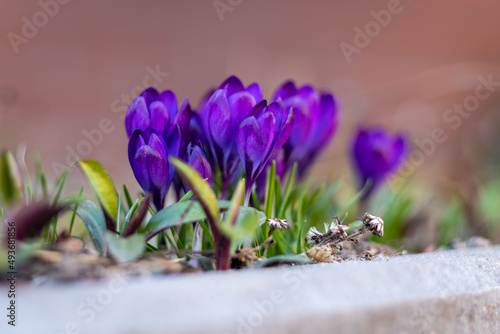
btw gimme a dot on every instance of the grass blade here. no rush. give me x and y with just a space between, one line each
288 191
127 197
270 190
73 215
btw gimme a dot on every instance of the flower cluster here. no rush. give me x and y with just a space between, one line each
236 131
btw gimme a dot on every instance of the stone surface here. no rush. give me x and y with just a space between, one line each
446 292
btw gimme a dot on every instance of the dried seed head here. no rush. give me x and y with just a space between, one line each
335 232
314 237
374 224
336 229
275 223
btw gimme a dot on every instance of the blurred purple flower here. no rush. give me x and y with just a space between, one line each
148 156
197 159
222 115
376 153
260 136
159 111
316 117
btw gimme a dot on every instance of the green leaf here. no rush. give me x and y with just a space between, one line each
150 248
270 190
93 217
277 194
178 214
61 180
73 215
11 184
206 232
187 196
118 213
125 249
299 238
246 225
288 191
280 241
130 213
43 184
255 201
200 188
283 259
102 184
136 221
128 199
231 216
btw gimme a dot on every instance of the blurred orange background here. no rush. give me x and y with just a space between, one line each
75 67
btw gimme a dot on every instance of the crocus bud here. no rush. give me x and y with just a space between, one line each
159 111
376 154
222 115
260 136
197 159
316 118
148 156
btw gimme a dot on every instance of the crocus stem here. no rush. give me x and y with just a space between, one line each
248 192
222 253
225 187
158 201
222 245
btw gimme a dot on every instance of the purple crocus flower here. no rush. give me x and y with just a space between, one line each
259 138
148 156
377 153
159 111
316 117
222 115
197 159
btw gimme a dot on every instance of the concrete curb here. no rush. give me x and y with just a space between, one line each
447 292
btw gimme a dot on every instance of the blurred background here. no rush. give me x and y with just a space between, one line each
70 68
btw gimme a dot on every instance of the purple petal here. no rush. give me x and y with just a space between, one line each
174 142
240 104
277 110
258 109
399 151
376 154
135 142
156 142
250 145
301 126
232 85
170 101
218 120
195 132
306 92
256 91
202 105
150 95
151 171
137 116
183 116
284 133
286 90
199 162
267 129
328 120
159 117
